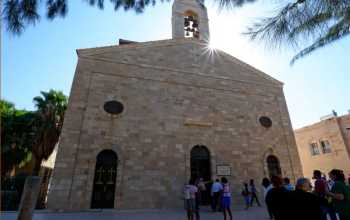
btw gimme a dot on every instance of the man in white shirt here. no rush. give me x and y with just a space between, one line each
215 190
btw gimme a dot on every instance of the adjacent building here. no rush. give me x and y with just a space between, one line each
45 174
325 145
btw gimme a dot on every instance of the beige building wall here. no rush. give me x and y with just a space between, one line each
333 130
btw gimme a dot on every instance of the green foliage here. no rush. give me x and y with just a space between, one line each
24 134
17 15
51 109
9 200
305 25
11 190
17 136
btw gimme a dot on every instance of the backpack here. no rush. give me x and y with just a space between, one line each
223 188
244 193
186 193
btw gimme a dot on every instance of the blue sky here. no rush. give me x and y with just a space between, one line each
44 57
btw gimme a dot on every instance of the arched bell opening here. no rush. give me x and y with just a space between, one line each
191 23
201 168
103 192
273 166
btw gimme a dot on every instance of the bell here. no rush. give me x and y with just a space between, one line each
195 24
187 34
187 23
188 29
190 18
193 30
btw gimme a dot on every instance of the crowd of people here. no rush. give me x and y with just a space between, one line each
315 199
307 202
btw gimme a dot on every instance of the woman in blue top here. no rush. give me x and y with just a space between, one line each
254 192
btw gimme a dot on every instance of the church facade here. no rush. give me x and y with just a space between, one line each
144 118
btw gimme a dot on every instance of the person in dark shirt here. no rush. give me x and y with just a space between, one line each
305 205
277 199
320 190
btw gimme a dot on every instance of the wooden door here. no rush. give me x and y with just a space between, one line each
103 192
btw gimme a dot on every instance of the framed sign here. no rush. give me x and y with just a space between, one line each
223 170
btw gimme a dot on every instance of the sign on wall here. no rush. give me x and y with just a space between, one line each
222 170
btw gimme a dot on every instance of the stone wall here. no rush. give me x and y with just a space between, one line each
333 130
171 105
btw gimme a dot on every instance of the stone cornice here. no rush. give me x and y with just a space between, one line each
99 50
183 84
322 123
177 70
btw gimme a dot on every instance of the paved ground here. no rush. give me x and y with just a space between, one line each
254 213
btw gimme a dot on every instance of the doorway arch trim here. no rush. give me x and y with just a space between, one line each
268 153
212 153
119 179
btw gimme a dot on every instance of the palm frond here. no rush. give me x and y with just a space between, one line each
298 25
99 3
334 35
56 8
11 15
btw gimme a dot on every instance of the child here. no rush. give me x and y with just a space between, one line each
246 194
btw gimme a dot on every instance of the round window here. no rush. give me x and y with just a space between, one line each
113 107
265 121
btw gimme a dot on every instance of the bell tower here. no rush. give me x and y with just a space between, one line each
190 19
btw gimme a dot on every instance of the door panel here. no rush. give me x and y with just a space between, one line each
104 185
201 168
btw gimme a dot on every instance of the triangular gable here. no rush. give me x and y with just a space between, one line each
179 55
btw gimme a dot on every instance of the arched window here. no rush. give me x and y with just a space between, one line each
200 152
273 166
107 156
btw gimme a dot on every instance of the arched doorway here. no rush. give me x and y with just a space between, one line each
201 168
103 192
273 166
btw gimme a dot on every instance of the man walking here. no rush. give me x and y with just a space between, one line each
320 190
254 192
215 190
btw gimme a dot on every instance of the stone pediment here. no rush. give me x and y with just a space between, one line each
187 55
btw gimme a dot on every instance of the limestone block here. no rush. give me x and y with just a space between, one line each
29 197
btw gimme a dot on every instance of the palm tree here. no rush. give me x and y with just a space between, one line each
17 136
51 108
